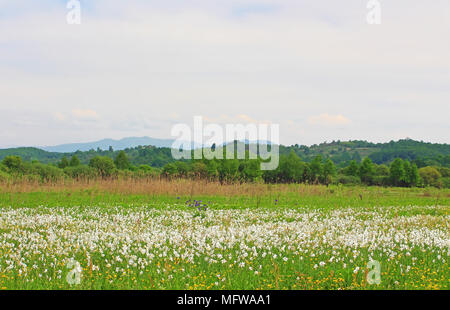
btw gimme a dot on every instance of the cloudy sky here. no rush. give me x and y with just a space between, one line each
137 67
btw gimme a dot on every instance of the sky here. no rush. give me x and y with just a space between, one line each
138 67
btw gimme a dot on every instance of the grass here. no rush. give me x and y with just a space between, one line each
197 235
161 192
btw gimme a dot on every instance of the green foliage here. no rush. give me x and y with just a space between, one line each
199 169
81 172
397 172
341 153
182 168
445 172
430 176
413 177
63 163
348 179
74 161
316 169
382 170
47 173
104 166
291 169
352 169
445 182
122 161
4 176
228 170
250 171
367 171
170 170
14 164
329 171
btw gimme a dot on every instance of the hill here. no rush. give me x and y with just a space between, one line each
422 153
106 143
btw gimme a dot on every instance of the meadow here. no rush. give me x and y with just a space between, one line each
183 234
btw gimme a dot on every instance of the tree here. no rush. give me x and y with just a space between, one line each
367 171
104 166
352 169
182 168
14 163
356 157
250 170
213 168
291 168
199 169
74 161
63 163
382 170
169 170
397 172
316 168
228 170
430 176
329 171
122 161
413 175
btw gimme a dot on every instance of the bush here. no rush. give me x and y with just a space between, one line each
430 176
47 173
145 171
445 182
14 164
380 180
3 176
3 168
81 172
445 172
348 179
104 165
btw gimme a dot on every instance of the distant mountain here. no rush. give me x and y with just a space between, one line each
104 144
118 145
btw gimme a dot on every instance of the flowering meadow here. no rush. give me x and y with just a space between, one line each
215 242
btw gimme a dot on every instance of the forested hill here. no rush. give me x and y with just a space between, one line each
422 153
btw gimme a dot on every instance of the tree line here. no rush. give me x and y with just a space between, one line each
291 169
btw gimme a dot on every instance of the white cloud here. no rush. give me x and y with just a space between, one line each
87 115
329 120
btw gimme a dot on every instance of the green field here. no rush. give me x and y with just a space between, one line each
276 237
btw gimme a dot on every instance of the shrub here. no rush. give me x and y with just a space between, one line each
145 171
104 165
348 179
122 161
74 161
445 182
81 172
3 176
14 164
430 176
381 180
47 173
